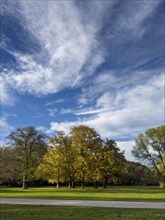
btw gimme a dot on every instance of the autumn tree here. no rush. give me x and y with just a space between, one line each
57 165
85 143
50 168
150 149
28 148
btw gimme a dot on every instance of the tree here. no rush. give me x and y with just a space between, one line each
7 173
150 148
85 143
138 174
28 148
51 167
57 165
112 162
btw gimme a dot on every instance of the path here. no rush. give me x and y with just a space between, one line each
150 205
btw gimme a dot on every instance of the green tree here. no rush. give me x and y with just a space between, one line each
138 174
150 149
28 148
112 162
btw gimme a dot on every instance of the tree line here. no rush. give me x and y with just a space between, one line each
81 157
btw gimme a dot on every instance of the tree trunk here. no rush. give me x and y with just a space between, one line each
72 186
58 185
96 185
82 185
25 182
106 183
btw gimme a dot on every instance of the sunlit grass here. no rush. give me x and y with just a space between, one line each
24 212
114 193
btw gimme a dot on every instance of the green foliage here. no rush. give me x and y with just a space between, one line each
150 148
138 174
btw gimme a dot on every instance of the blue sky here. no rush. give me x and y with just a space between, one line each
98 63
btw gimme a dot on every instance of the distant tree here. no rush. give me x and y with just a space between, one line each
150 149
28 148
138 174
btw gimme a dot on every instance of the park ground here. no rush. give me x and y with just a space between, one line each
114 193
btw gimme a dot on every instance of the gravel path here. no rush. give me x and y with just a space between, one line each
146 205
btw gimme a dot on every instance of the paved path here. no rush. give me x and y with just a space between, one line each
150 205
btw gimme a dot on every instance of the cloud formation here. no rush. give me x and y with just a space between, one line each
68 44
125 114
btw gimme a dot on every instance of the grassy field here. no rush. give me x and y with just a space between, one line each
114 193
26 212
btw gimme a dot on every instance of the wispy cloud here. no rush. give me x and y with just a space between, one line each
72 46
89 111
6 97
5 128
128 112
55 102
52 112
38 115
68 44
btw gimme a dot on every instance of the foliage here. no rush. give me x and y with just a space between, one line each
150 148
57 165
27 147
86 143
81 157
138 174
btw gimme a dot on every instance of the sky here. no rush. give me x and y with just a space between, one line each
91 62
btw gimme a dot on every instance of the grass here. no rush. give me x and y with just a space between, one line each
26 212
114 193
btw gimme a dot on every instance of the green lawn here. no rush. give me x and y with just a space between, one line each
26 212
114 193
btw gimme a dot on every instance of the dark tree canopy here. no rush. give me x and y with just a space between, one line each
28 148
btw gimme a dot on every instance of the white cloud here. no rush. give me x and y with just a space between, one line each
127 146
62 126
55 102
66 111
127 113
41 128
6 97
5 128
68 36
52 112
89 111
68 44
